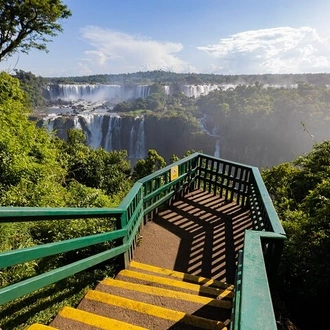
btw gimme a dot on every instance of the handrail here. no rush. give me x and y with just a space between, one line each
20 289
20 214
255 307
235 182
264 207
11 258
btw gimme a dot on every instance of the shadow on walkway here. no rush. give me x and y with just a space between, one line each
211 232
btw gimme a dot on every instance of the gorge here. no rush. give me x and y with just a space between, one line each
261 124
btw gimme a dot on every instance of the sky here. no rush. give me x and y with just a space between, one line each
195 36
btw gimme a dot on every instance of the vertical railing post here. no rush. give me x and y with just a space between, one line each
121 222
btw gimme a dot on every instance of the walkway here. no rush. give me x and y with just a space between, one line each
200 234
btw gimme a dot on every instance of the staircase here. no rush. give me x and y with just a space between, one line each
150 297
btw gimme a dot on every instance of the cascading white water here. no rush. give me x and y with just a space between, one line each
100 92
95 93
142 91
76 123
132 134
94 125
86 92
116 133
137 142
140 148
198 90
112 139
167 90
106 131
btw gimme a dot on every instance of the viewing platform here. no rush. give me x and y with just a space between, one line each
199 243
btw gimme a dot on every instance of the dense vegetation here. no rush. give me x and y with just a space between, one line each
301 194
37 169
34 87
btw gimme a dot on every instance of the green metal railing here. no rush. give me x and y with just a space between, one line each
233 181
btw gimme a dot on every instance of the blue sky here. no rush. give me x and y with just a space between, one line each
204 36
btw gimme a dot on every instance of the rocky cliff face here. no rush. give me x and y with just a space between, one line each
167 135
178 133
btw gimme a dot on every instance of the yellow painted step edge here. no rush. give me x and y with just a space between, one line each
156 311
168 293
215 292
38 326
183 276
96 320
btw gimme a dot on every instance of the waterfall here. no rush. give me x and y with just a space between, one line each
132 133
167 90
142 91
103 92
116 133
198 90
94 125
140 149
86 92
97 92
104 130
137 142
76 123
112 139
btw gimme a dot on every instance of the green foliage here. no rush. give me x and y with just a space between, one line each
26 23
39 170
33 86
15 236
146 166
28 158
100 169
301 195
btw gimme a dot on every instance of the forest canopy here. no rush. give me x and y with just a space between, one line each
301 194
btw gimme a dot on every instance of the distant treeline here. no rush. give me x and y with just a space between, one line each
167 77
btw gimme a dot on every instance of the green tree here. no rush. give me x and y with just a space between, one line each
146 166
24 24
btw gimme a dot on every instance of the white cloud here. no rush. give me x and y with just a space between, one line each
276 50
120 52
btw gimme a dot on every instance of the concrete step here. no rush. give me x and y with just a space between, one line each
188 303
150 269
174 284
71 318
150 297
145 314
